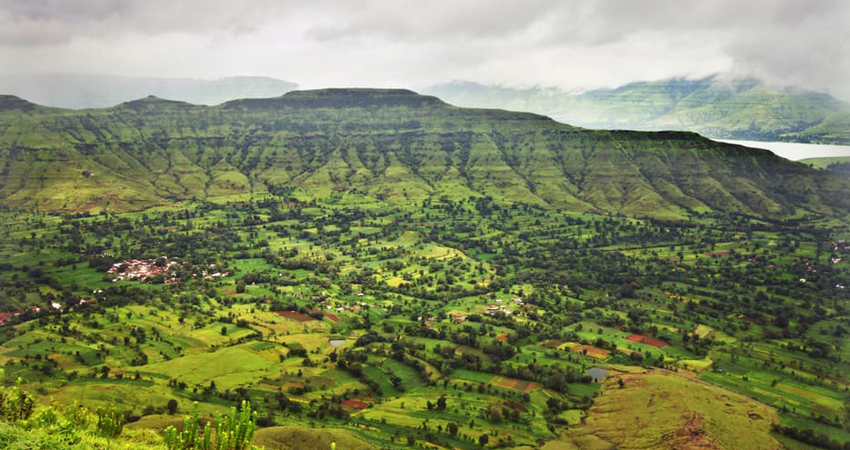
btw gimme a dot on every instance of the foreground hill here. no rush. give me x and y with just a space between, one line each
393 145
743 108
99 91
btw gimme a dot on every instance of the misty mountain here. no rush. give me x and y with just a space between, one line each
385 145
715 106
100 91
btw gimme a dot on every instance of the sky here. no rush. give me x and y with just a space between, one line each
569 44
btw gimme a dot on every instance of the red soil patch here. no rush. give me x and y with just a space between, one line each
692 435
512 383
332 317
516 406
502 337
551 344
295 315
718 254
658 343
231 293
591 351
355 404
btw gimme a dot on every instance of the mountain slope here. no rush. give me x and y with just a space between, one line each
99 91
393 145
836 164
713 106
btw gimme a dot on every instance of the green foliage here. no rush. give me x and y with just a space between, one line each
79 416
15 403
231 432
110 423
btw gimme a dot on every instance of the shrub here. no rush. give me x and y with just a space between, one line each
110 423
231 432
15 403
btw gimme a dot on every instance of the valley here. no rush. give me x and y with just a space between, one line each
381 270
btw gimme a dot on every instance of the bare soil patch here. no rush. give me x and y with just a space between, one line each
516 406
357 404
295 315
591 351
657 343
551 344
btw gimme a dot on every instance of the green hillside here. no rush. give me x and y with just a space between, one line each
714 106
836 164
392 145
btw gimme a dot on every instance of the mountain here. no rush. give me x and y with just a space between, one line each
715 106
392 145
99 91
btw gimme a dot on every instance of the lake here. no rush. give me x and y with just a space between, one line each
795 151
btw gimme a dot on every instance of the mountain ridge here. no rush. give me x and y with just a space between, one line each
77 91
390 145
715 106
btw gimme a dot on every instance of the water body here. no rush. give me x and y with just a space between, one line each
596 373
795 151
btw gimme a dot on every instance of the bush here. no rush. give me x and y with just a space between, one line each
232 432
110 423
15 403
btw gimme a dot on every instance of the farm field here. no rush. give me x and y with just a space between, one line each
405 343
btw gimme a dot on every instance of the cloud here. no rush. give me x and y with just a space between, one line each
45 22
415 43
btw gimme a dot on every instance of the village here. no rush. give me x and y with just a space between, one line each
145 269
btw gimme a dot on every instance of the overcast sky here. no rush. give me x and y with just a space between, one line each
318 43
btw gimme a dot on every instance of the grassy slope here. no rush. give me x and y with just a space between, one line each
836 164
667 411
389 144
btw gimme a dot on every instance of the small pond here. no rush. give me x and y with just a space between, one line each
597 374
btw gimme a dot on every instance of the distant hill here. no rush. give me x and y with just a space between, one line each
837 164
742 108
385 144
99 91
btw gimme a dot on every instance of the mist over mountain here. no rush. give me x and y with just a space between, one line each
100 91
715 106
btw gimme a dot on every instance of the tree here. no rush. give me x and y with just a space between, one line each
441 403
224 331
452 429
483 439
171 406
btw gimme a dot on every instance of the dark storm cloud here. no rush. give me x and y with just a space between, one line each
379 42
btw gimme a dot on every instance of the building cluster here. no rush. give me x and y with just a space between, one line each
142 269
5 317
